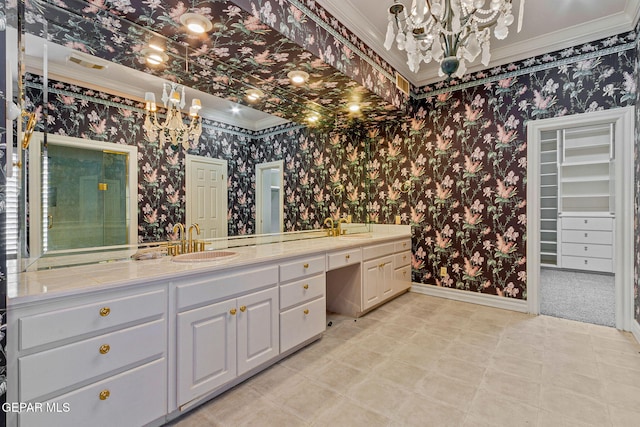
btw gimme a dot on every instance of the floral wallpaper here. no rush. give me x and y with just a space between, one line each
323 172
3 214
456 169
636 204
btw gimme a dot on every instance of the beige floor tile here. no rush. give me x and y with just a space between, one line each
308 398
624 360
305 361
378 395
273 381
499 410
600 344
420 411
228 408
460 369
457 393
266 413
470 353
502 384
396 331
529 369
487 342
554 419
519 350
358 356
401 374
582 384
416 355
573 406
338 376
347 413
624 417
618 374
622 395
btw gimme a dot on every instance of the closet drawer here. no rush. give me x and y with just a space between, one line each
301 323
585 236
585 263
301 291
132 398
74 321
61 367
587 250
301 267
587 223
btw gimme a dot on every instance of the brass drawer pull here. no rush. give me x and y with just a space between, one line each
243 308
104 394
347 256
104 311
305 265
104 348
306 286
232 311
306 311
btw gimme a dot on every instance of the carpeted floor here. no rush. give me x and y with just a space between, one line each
581 296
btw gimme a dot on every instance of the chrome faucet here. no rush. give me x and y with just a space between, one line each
192 247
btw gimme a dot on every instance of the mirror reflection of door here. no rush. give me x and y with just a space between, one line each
269 197
206 195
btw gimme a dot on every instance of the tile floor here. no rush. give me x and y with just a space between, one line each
425 361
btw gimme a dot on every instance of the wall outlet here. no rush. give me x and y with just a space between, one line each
397 219
443 272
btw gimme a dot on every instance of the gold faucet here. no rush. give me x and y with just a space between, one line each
192 246
329 223
183 243
339 231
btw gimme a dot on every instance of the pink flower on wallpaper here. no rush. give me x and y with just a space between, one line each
66 100
100 127
442 144
176 12
151 218
472 115
233 11
471 270
505 137
441 193
471 166
442 242
471 218
504 192
504 247
253 23
77 46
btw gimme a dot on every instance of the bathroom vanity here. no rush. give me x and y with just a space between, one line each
140 342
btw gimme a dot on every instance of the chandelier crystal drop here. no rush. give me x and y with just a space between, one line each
450 32
173 130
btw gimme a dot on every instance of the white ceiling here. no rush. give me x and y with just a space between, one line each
548 25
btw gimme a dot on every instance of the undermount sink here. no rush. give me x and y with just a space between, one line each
203 256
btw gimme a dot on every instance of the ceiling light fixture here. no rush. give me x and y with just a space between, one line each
448 31
173 130
254 95
195 23
313 117
154 56
298 77
354 107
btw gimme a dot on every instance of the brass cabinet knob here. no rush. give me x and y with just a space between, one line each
232 311
243 308
306 286
306 265
104 394
104 348
404 257
404 273
306 311
404 244
104 311
347 256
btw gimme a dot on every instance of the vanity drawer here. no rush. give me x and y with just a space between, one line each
587 250
51 370
343 258
403 245
301 267
301 323
302 290
376 251
585 263
402 259
402 278
587 223
587 236
135 398
67 323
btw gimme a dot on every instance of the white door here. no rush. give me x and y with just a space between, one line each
270 197
206 191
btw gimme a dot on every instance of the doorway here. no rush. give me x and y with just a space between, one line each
206 195
580 216
269 197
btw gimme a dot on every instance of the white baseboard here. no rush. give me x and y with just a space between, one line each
473 297
635 329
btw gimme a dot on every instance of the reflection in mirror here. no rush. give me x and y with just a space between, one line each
269 197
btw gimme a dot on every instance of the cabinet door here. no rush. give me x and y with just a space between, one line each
206 354
386 280
258 329
370 284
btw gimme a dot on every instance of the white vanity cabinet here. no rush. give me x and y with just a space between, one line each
302 301
227 325
99 357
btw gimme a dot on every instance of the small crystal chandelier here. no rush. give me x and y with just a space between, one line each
173 130
448 31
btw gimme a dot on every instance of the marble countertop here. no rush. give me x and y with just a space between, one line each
44 284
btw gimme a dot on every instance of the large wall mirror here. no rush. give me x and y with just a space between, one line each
86 79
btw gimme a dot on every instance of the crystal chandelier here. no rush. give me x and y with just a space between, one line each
448 31
173 129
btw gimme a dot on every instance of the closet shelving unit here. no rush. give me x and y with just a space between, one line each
549 198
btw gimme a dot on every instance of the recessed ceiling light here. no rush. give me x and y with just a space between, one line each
235 109
354 107
195 23
254 94
298 77
154 57
313 117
